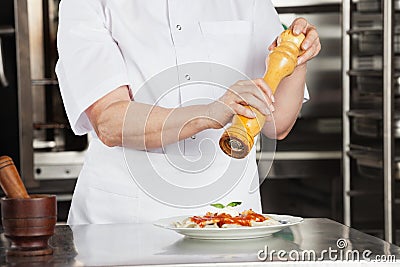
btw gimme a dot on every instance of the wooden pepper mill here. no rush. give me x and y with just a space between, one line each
28 221
238 139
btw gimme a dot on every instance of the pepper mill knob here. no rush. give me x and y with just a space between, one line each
10 180
238 139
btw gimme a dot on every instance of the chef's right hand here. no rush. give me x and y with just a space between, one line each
255 93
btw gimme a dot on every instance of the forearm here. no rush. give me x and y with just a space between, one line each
148 127
118 121
289 97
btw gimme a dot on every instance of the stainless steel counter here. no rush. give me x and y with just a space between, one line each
145 244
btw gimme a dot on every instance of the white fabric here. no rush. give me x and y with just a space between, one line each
104 44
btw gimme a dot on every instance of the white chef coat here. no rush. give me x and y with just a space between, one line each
104 44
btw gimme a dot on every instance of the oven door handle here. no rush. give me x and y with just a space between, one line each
3 78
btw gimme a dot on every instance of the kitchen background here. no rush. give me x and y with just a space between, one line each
339 162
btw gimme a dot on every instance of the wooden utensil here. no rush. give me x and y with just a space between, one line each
238 139
10 180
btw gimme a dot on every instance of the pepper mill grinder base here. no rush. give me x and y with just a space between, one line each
235 142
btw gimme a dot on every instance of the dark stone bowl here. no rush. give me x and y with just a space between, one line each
29 223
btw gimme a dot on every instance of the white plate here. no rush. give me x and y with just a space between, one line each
230 233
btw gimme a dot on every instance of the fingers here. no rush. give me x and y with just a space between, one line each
255 102
273 45
256 87
239 97
255 93
310 53
299 25
244 111
311 44
311 38
265 88
263 92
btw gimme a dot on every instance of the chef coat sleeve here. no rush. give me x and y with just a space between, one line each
267 26
90 62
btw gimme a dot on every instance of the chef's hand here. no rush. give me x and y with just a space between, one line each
311 44
255 93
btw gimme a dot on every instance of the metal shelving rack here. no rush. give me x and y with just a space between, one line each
387 138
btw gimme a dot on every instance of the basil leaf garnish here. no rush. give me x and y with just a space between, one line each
234 204
218 205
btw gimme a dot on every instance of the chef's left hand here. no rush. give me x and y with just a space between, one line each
311 44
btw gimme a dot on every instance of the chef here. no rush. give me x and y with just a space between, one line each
145 134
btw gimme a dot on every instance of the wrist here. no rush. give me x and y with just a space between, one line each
210 118
203 120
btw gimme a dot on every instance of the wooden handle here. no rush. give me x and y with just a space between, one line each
10 180
238 139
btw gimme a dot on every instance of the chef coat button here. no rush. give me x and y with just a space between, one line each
193 137
187 77
179 27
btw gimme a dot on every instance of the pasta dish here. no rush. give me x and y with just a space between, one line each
227 218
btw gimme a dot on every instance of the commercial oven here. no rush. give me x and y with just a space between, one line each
35 131
58 153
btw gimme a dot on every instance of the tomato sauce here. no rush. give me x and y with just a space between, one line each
244 219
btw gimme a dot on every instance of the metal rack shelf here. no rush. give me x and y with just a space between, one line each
42 82
358 19
360 193
7 30
364 73
358 31
374 73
